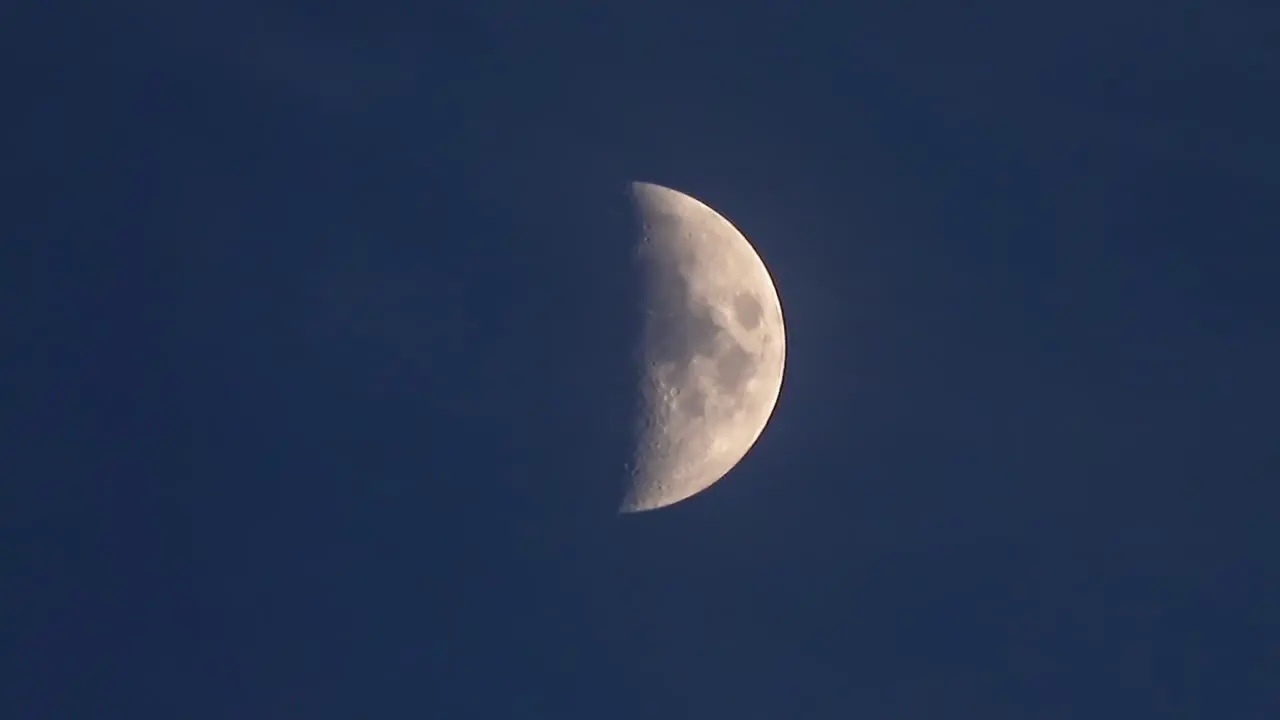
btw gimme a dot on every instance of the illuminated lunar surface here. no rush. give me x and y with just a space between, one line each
712 349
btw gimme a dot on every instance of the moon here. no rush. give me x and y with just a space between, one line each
712 350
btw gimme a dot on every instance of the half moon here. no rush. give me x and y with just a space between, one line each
712 349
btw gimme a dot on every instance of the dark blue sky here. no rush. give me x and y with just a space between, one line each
321 323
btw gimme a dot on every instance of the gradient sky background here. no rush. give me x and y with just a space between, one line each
321 320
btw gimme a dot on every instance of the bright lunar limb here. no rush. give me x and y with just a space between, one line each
712 349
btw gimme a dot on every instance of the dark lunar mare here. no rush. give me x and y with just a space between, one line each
748 310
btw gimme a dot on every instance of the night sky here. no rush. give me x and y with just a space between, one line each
320 321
